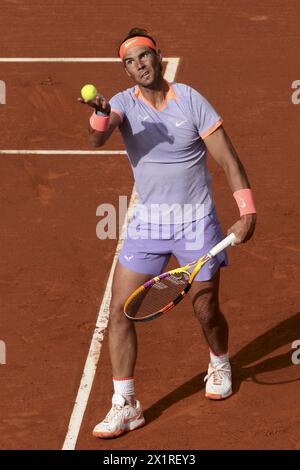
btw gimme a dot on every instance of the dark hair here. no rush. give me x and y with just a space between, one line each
136 32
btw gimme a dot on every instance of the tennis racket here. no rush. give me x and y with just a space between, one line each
163 292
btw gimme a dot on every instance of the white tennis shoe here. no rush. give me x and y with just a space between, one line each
218 381
121 418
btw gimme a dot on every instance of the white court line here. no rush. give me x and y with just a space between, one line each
63 152
93 356
101 324
72 59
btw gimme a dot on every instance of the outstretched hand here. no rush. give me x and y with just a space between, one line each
99 104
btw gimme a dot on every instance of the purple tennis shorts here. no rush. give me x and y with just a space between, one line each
148 247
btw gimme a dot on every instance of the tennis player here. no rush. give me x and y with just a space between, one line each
167 129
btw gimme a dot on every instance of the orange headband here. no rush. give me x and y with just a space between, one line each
135 41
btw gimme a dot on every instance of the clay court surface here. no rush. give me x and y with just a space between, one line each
54 270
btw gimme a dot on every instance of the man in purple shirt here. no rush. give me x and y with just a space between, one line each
167 130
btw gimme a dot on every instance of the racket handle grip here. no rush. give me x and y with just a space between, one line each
229 240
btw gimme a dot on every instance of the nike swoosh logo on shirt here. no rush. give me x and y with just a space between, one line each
179 123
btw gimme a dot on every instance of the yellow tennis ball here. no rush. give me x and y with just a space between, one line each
89 92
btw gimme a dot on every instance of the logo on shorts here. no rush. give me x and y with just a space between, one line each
128 257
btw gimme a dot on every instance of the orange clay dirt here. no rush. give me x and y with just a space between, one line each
54 270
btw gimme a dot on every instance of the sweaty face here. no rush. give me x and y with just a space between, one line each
143 65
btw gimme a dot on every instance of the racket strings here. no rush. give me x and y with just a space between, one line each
158 295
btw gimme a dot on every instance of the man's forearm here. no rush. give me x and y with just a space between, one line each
97 139
236 175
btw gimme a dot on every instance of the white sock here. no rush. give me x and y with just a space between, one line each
219 360
125 387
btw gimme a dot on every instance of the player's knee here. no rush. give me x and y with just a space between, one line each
117 318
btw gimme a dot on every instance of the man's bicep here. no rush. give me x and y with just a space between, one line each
220 147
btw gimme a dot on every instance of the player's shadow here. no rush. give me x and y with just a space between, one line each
283 334
146 140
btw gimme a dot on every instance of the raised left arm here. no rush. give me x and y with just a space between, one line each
223 152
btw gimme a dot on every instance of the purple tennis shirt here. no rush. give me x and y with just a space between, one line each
167 152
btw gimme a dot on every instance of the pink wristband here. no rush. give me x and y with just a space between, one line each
99 123
245 201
